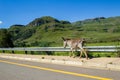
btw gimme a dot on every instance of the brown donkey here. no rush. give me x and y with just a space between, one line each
75 44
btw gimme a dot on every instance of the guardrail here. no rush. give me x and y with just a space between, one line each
89 48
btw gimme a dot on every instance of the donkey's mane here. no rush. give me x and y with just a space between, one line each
68 39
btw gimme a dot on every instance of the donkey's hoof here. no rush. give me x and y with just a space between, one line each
70 56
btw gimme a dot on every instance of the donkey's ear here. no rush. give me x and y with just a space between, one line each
84 40
63 38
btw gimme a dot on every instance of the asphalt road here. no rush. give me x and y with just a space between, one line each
25 70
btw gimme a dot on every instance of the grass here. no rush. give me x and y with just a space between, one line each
93 38
90 54
102 54
104 44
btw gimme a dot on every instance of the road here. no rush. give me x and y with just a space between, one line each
26 70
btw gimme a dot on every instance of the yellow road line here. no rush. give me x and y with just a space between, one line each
58 71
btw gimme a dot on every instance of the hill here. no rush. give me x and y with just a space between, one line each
47 31
5 39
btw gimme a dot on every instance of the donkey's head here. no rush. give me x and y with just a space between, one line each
83 41
64 42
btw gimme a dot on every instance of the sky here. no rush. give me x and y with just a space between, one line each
24 11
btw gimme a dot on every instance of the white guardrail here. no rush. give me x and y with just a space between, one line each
88 48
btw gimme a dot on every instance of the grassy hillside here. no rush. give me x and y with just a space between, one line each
47 31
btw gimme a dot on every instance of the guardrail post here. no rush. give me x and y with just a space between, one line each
25 52
3 51
13 52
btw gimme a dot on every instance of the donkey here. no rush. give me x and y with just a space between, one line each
75 44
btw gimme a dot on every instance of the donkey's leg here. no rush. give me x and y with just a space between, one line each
81 52
85 53
70 53
73 55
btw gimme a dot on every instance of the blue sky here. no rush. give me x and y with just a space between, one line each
24 11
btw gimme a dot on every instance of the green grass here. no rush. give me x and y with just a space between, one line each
104 44
93 38
102 54
90 54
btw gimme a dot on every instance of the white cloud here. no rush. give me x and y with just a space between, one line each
1 22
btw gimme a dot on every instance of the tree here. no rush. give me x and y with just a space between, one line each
5 39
